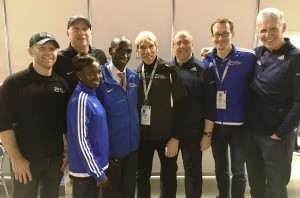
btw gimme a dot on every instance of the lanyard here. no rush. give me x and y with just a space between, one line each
224 73
147 89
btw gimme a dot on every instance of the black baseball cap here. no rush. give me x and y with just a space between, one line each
73 19
39 38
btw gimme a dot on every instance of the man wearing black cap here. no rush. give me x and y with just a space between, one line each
32 121
80 34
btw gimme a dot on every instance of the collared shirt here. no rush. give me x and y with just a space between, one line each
114 72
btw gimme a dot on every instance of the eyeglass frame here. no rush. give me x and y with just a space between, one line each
224 35
184 43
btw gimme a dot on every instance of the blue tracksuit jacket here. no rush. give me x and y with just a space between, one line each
121 110
236 83
87 134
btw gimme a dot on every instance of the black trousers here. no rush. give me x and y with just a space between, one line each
168 173
122 178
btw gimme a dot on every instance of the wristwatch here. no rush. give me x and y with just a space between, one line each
208 134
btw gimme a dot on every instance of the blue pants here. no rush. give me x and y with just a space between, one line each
224 135
85 187
192 163
122 178
169 168
46 177
269 164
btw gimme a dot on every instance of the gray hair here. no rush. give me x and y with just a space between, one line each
271 13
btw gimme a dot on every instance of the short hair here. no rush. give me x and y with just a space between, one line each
270 13
83 59
145 36
185 32
118 39
222 20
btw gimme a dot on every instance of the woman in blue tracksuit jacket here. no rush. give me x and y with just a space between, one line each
87 131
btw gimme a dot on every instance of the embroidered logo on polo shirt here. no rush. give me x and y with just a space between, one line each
194 69
58 90
235 62
258 62
281 57
160 76
132 85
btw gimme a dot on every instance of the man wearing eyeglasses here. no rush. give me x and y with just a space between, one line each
199 111
233 70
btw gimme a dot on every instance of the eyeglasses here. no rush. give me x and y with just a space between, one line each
184 43
224 35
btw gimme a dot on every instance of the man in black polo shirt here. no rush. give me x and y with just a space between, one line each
80 34
33 119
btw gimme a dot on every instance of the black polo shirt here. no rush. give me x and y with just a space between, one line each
34 106
64 65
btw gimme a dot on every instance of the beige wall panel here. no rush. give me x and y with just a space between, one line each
26 17
197 16
114 17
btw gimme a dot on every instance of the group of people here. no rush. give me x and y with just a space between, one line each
105 120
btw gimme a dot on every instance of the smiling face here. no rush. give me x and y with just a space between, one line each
182 47
80 35
44 56
90 75
222 36
147 50
120 52
270 32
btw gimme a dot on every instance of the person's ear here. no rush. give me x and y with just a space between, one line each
232 34
110 50
30 51
283 27
78 75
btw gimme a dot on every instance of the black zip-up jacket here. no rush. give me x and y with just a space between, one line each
275 102
200 103
165 117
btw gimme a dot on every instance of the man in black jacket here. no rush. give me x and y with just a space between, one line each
79 33
199 111
274 110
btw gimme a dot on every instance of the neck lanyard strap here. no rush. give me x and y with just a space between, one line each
224 73
147 89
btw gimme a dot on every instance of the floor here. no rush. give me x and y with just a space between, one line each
209 185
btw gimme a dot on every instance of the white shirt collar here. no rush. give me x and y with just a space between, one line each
114 72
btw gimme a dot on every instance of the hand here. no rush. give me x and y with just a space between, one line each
114 161
65 160
205 51
205 142
103 183
172 147
21 168
275 137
